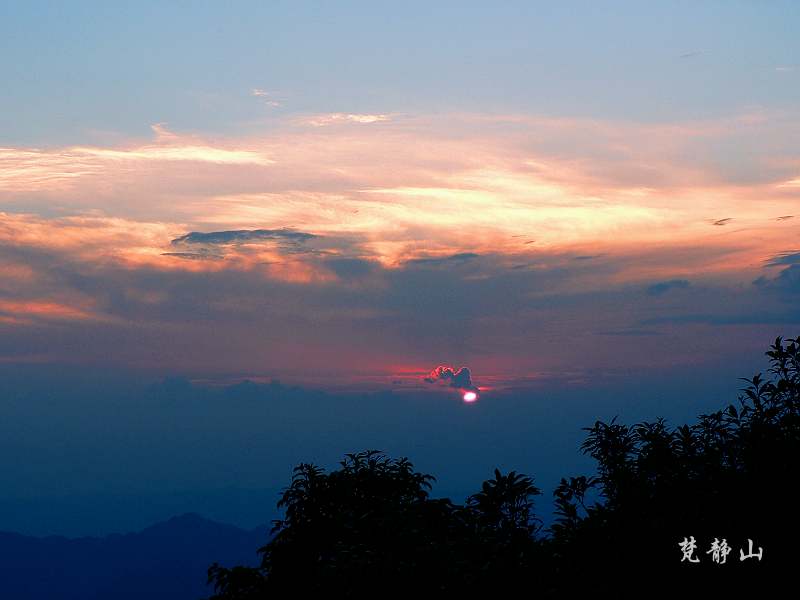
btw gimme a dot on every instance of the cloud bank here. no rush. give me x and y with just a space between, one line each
377 246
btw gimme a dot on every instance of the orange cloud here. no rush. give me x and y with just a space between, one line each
18 311
513 186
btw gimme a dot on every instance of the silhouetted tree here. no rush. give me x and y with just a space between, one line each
369 528
728 476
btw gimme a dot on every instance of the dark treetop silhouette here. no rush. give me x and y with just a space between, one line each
370 528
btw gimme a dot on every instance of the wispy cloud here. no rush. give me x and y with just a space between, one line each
178 153
266 97
34 169
334 118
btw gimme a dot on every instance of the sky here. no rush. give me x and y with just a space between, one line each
571 200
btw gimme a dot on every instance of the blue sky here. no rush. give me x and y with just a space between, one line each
75 71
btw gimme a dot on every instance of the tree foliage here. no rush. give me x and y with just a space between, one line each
371 525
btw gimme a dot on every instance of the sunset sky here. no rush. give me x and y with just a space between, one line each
342 196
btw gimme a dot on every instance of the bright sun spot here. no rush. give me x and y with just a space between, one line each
470 396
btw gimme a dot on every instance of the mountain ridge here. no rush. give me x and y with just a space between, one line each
167 559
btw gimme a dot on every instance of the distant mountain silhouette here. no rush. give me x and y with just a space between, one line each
165 561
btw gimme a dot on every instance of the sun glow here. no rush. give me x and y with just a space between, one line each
470 396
